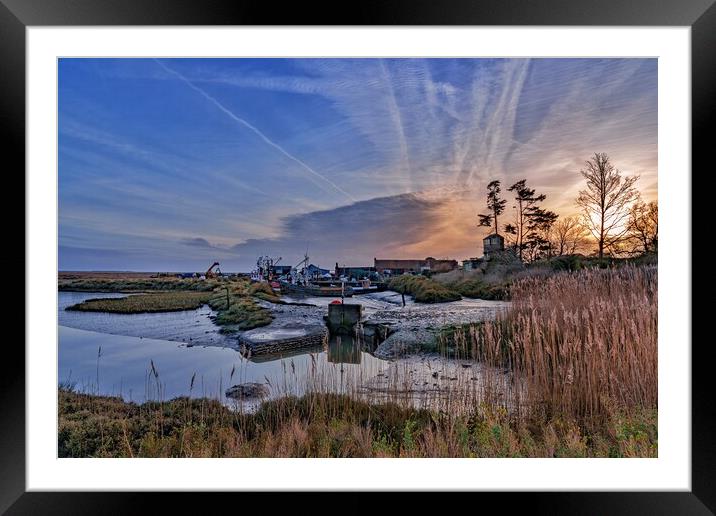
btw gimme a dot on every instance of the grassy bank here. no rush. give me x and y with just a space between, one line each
236 309
146 303
103 284
232 300
423 290
328 425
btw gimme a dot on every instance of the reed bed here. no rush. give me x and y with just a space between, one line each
578 345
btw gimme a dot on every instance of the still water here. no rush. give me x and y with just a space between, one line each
113 354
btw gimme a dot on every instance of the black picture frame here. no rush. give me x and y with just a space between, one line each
700 15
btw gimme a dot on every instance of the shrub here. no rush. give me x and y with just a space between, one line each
423 289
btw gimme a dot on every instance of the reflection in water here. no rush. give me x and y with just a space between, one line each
271 357
118 365
138 368
344 349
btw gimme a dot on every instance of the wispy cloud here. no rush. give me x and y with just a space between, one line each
256 131
175 153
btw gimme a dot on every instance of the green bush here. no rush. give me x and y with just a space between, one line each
478 289
423 289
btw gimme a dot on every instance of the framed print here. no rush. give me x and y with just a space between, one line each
414 250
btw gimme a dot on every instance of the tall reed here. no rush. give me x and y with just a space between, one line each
579 345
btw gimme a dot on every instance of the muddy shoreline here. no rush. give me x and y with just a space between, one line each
388 329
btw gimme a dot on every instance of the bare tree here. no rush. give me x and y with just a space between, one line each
643 227
567 235
606 200
495 204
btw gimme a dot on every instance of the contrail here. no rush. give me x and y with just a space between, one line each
255 130
398 121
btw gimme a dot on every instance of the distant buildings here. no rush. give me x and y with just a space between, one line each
413 266
472 264
354 272
315 271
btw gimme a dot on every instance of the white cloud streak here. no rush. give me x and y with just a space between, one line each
256 131
386 127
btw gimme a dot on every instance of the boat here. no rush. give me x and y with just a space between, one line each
315 290
364 286
361 289
304 279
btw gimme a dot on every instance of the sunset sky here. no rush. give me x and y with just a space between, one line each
171 164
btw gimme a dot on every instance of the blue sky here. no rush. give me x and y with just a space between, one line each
171 164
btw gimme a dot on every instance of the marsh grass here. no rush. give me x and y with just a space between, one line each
134 284
243 313
569 370
233 300
237 310
330 425
146 303
474 284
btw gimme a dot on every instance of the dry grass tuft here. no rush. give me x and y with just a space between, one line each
580 345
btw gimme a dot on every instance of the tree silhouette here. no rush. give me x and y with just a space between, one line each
606 200
527 209
494 204
532 223
567 235
643 227
539 224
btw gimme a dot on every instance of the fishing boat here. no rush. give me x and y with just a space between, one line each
363 286
303 279
314 290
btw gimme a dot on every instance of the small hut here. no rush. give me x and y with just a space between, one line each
491 244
